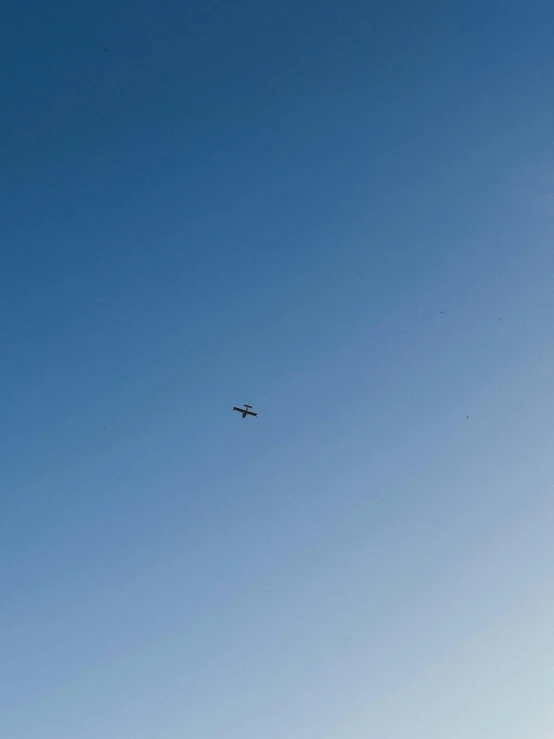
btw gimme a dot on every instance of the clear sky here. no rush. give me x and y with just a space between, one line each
341 213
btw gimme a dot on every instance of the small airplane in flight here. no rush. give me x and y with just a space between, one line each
245 412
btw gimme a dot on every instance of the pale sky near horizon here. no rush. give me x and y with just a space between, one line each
342 214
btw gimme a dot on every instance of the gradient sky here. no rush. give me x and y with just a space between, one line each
341 213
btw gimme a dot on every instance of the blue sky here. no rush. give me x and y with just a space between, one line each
343 214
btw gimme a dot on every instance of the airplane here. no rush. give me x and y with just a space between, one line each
245 412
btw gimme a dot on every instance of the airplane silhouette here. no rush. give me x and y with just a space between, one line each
245 412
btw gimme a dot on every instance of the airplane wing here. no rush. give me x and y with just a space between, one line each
240 410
